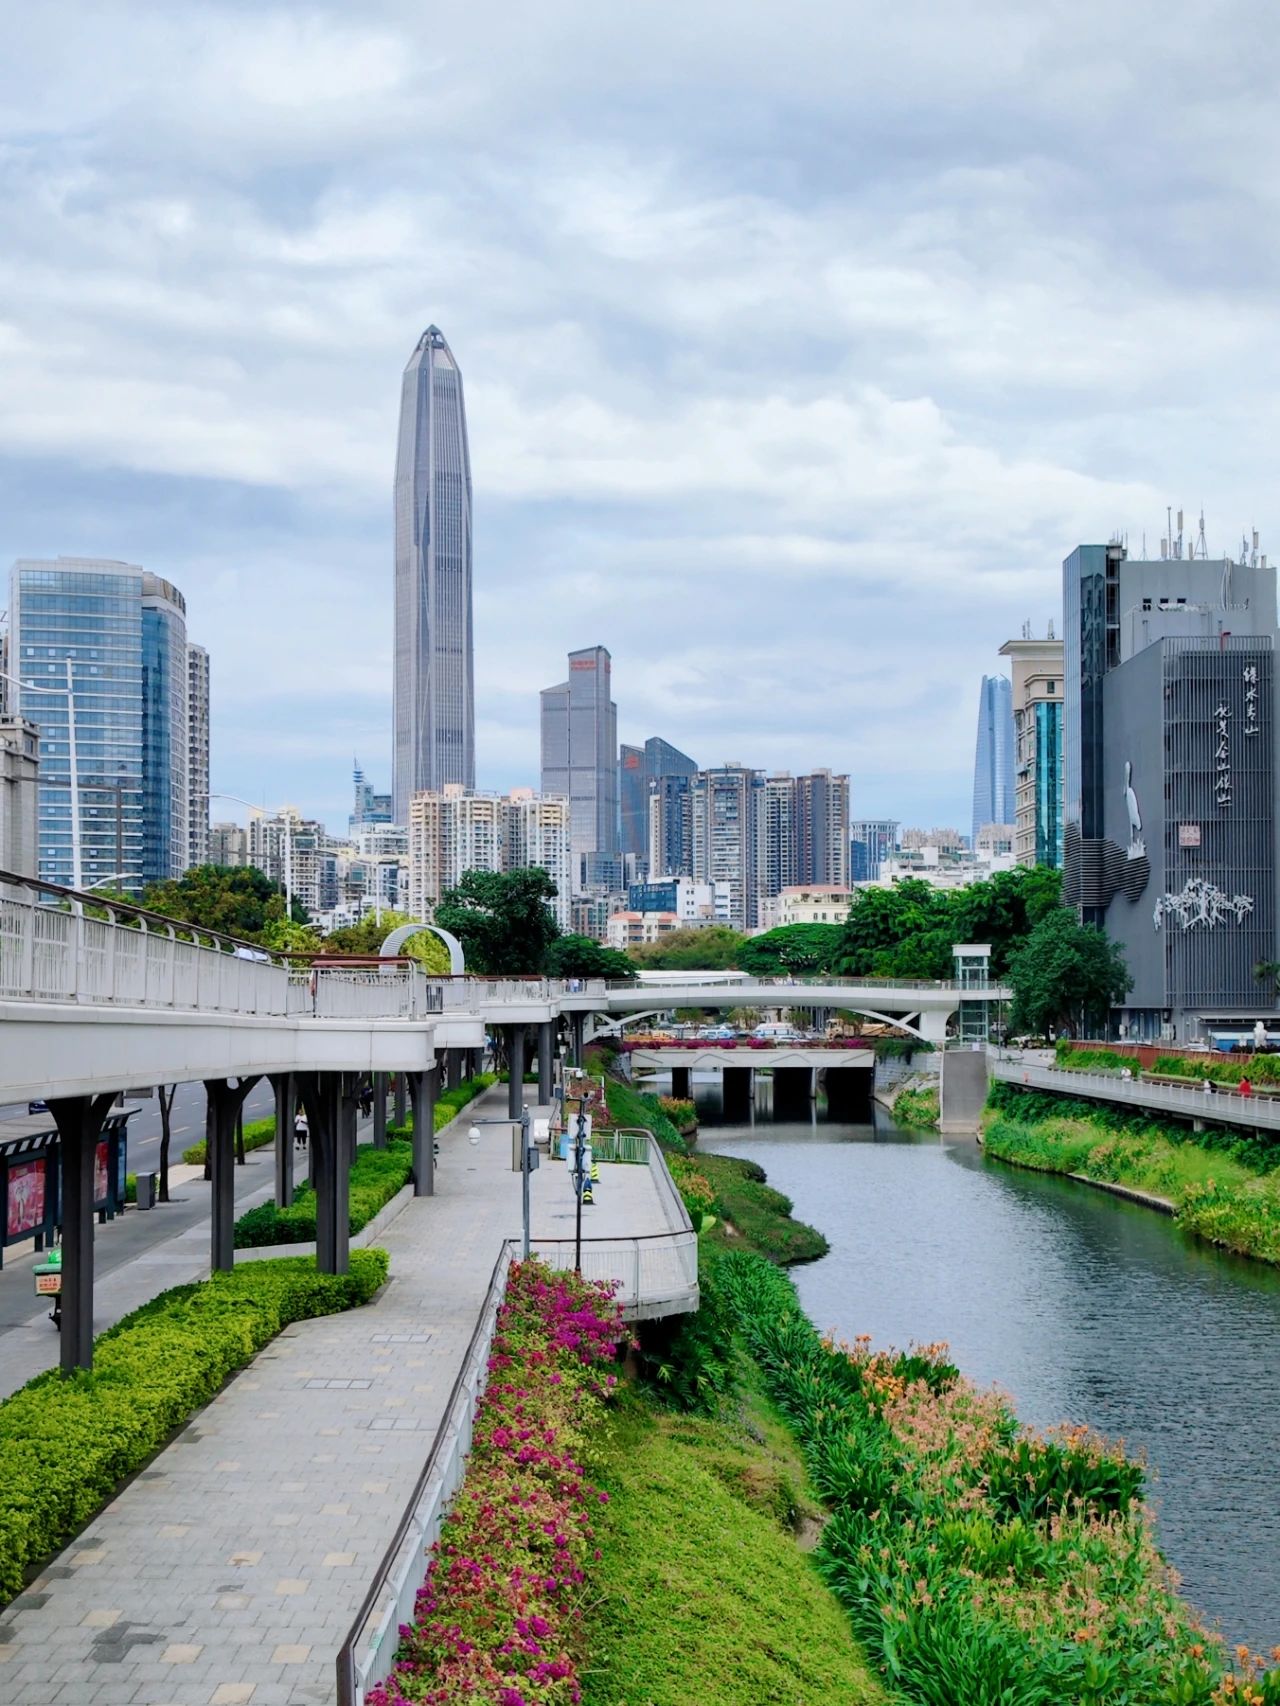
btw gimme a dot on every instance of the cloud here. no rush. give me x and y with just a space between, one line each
798 353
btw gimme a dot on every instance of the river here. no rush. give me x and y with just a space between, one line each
1080 1306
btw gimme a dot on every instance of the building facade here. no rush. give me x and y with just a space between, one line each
433 681
942 867
19 796
670 827
871 841
1170 835
822 830
641 771
579 738
725 811
1039 780
112 635
367 807
228 844
197 755
825 904
993 791
452 832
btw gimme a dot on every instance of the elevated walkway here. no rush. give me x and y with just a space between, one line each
233 1568
1189 1102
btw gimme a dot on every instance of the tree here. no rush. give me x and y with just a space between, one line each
1004 909
238 900
707 947
1065 975
502 919
583 956
902 931
793 950
369 934
166 1093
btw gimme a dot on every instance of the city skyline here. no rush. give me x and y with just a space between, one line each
968 373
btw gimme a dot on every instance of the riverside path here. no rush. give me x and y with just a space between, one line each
229 1571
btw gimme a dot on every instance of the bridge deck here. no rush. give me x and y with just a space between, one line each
1256 1112
238 1561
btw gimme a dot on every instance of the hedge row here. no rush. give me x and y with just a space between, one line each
66 1444
257 1135
376 1175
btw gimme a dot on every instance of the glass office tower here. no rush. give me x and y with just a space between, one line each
123 633
993 795
433 686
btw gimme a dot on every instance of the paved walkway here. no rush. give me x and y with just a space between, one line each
228 1573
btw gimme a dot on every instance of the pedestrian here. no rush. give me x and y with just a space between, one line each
1246 1089
1207 1087
300 1128
366 1100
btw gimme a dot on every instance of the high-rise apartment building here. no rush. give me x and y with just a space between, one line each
579 727
197 756
871 842
433 684
114 636
776 861
298 854
452 832
1038 780
993 793
670 850
822 830
725 811
228 844
1170 754
641 769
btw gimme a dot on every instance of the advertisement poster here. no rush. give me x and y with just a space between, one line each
100 1174
26 1198
121 1169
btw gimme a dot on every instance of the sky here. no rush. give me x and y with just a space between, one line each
800 346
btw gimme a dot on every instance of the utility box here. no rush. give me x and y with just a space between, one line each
517 1140
148 1189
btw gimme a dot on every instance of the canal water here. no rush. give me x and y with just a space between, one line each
1078 1305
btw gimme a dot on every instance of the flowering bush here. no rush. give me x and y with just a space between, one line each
980 1561
495 1620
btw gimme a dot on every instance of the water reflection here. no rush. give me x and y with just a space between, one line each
1079 1305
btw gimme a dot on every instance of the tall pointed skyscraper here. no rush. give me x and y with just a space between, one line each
434 685
993 800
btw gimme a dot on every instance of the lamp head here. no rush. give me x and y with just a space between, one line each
473 1136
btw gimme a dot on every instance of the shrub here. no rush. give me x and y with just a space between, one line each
257 1135
681 1112
918 1108
66 1444
376 1175
496 1617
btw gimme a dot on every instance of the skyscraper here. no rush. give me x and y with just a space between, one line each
640 770
122 631
822 830
725 812
366 806
197 755
872 840
993 797
1038 705
434 689
579 723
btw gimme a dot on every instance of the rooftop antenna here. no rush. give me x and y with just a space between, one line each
1202 544
1051 633
1026 629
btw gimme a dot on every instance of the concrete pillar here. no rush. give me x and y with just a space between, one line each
515 1059
739 1092
379 1110
400 1109
577 1031
546 1057
283 1087
330 1168
79 1122
422 1093
682 1082
349 1112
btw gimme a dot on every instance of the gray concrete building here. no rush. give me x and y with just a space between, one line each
1170 835
19 796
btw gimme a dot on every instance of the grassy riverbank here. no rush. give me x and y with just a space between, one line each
1223 1186
919 1109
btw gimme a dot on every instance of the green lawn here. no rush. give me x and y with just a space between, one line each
703 1596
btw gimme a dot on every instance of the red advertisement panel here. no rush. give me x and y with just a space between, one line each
26 1198
100 1174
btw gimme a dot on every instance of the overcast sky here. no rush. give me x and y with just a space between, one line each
801 343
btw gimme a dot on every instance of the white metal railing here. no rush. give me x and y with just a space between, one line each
368 1653
347 992
745 985
1189 1100
472 993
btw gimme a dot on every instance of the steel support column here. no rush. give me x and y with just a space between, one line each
330 1168
400 1116
546 1057
422 1093
515 1060
79 1122
379 1110
224 1101
285 1094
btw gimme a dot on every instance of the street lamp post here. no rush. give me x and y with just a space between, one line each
579 1156
528 1161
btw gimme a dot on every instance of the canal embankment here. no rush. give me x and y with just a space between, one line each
1220 1184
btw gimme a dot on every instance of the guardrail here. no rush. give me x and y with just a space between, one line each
341 992
368 1653
745 985
1190 1102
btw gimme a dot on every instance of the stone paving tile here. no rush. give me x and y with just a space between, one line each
234 1565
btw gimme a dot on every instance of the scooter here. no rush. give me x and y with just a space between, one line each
48 1276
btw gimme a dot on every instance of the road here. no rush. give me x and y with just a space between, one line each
187 1123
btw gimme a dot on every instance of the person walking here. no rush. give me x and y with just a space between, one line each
300 1131
1246 1089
